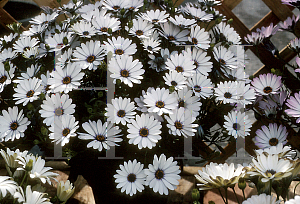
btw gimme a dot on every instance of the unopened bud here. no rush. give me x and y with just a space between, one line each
6 66
242 183
29 165
130 24
109 30
65 41
195 194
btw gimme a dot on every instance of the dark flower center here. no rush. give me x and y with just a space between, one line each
227 95
67 80
272 171
124 73
139 32
100 138
131 8
149 48
171 37
85 33
236 126
173 83
3 79
119 51
26 48
196 63
90 59
273 141
160 104
179 69
30 93
121 113
116 7
131 178
14 125
58 111
222 62
65 132
194 41
268 89
159 174
144 132
178 125
197 88
181 103
155 20
104 29
47 88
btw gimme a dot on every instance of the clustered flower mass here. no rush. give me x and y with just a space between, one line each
177 72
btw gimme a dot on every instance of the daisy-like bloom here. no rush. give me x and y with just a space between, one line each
229 33
24 43
7 54
225 57
121 46
65 191
295 3
280 150
65 58
261 199
62 129
67 79
254 38
152 44
160 101
56 106
141 28
175 79
30 196
162 174
289 24
131 177
295 44
182 64
13 124
159 63
44 83
121 110
266 84
270 167
124 68
173 33
102 136
197 13
35 29
201 60
237 124
102 24
245 94
59 41
270 136
181 21
134 5
296 199
9 38
199 37
180 123
28 90
31 72
216 175
298 63
156 16
201 85
5 77
227 92
11 162
89 55
144 131
32 53
114 5
84 29
187 101
294 106
7 185
209 3
268 31
44 18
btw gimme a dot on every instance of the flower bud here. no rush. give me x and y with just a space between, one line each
130 24
65 41
242 183
109 31
122 11
6 66
29 165
65 191
195 194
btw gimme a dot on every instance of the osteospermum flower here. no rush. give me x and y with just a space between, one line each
44 18
266 84
197 13
7 185
156 16
201 85
158 63
56 106
201 60
24 43
227 92
144 131
141 28
114 5
162 174
121 110
103 23
160 101
228 32
216 175
11 162
30 196
59 41
121 46
260 199
28 90
175 79
280 150
182 64
254 38
199 37
173 33
237 124
294 200
84 29
7 54
225 57
102 136
126 69
294 106
187 101
151 44
5 77
270 136
181 21
131 177
13 124
65 190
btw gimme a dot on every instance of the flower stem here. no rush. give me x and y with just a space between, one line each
226 195
25 175
244 194
222 195
270 187
236 195
295 188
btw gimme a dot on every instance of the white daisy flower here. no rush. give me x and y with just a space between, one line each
9 38
7 54
67 79
121 110
180 123
201 85
280 150
13 124
294 200
173 33
162 174
237 124
44 83
44 18
227 92
134 5
124 68
31 72
90 11
225 57
199 37
262 198
84 29
131 177
266 84
30 196
152 44
102 136
5 77
102 24
141 28
156 16
65 190
24 43
181 21
28 90
294 106
10 159
32 53
35 29
121 46
65 58
144 131
182 64
114 5
246 95
201 60
159 63
175 79
7 185
228 32
188 102
160 101
56 106
198 13
59 41
89 55
270 136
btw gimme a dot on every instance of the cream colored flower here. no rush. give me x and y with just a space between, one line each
65 191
